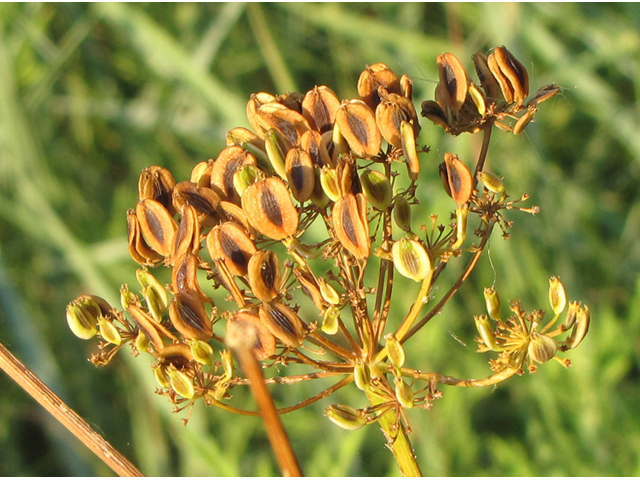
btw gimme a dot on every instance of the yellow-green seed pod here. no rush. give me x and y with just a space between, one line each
411 259
357 124
478 99
492 301
572 315
227 364
329 182
154 294
328 292
483 325
492 182
542 348
269 208
142 342
331 320
202 352
345 417
82 318
362 376
318 197
409 150
404 393
224 169
395 350
580 328
108 331
159 372
277 149
462 214
246 175
557 295
180 382
127 297
377 188
402 213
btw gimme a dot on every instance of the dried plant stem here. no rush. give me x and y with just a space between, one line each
31 384
275 430
498 377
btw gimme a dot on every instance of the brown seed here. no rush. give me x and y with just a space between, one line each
255 102
312 142
265 344
157 226
543 94
350 224
270 209
187 237
184 277
406 86
515 72
291 100
229 242
179 355
488 82
289 123
453 82
265 277
232 212
357 125
203 199
347 177
138 248
310 287
375 81
153 330
459 179
157 183
390 113
524 120
283 323
433 111
189 317
505 85
300 174
319 108
409 152
225 168
201 174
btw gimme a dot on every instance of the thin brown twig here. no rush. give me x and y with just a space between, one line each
73 422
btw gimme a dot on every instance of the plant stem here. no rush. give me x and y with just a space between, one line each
31 384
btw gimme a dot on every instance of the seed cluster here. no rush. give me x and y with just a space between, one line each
240 221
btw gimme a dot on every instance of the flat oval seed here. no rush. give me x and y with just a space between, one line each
357 124
311 141
270 209
300 174
157 226
264 274
454 80
157 183
138 249
189 317
459 179
229 242
319 108
283 323
351 228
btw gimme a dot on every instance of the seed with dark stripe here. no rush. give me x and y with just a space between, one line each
269 208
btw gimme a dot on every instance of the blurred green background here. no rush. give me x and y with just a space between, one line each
92 94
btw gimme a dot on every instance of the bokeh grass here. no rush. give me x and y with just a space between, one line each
92 94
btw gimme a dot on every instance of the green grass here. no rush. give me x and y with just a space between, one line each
92 94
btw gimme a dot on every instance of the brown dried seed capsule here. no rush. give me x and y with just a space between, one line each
229 242
433 111
347 176
505 85
488 82
156 183
459 179
406 86
270 209
300 174
374 81
201 174
203 199
179 355
357 125
232 212
265 344
289 123
350 224
283 323
138 248
453 82
291 100
319 108
265 277
311 141
184 277
525 119
390 113
225 168
515 72
157 226
189 317
187 237
153 330
256 101
544 94
310 287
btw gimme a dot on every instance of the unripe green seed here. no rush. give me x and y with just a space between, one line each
402 213
108 331
492 301
542 348
180 382
395 351
330 321
376 188
492 182
411 259
202 352
345 417
557 295
362 376
483 325
404 393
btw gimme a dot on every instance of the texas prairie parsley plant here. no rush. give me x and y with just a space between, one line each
233 236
